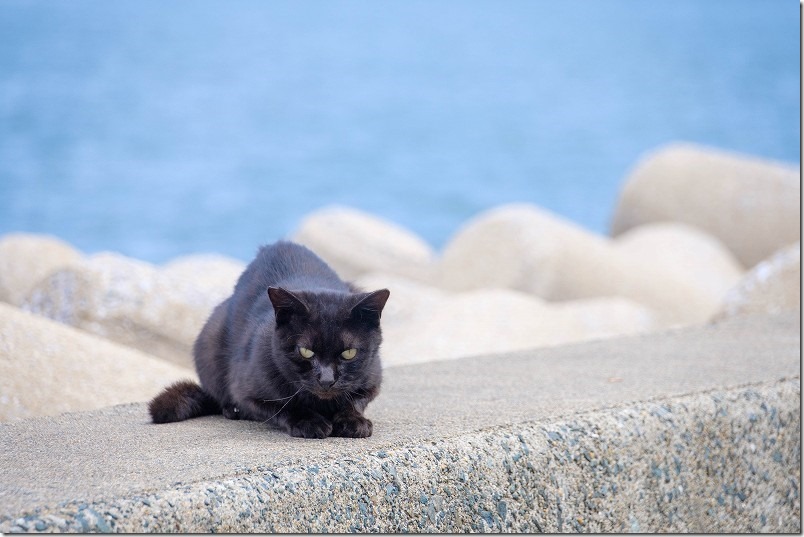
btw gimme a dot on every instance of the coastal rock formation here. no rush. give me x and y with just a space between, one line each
215 273
422 323
47 368
117 298
604 317
524 247
353 243
688 252
201 281
773 286
752 205
26 258
512 278
135 303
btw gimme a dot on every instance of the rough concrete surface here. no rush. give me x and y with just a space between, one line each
696 429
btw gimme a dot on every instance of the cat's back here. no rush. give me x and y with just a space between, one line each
285 264
294 266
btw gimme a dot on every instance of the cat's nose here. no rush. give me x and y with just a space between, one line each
326 377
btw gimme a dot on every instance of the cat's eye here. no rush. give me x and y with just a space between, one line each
348 354
306 353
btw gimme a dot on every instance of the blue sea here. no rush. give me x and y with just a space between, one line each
159 128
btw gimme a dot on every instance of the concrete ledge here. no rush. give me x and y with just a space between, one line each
691 430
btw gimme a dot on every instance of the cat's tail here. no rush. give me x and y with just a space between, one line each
182 401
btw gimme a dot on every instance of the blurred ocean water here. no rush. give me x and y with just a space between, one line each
163 128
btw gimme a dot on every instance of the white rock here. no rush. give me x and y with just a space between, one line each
47 368
524 247
602 317
207 270
772 286
354 243
487 321
202 280
27 258
753 206
686 251
134 303
471 323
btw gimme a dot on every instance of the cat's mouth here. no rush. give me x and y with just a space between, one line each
325 393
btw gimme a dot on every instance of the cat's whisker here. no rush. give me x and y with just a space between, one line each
281 398
350 397
283 406
295 383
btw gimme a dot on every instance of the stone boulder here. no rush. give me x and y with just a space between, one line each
603 317
753 206
526 248
159 311
26 259
472 323
47 368
686 251
773 286
422 323
202 281
354 243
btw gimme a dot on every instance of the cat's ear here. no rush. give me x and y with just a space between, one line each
369 308
286 304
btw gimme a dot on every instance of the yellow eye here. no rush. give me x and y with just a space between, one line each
348 354
306 353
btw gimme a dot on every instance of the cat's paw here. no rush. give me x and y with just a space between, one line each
231 412
315 427
352 426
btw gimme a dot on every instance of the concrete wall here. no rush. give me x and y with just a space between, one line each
723 461
693 430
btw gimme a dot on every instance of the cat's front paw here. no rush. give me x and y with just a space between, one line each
352 426
315 427
231 412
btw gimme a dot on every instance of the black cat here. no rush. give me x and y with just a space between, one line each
294 346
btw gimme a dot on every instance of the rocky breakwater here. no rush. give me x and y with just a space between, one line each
518 276
529 249
511 278
26 259
47 368
158 310
752 205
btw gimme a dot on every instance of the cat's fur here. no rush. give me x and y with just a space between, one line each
248 359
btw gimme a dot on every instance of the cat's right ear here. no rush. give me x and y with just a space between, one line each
286 304
369 308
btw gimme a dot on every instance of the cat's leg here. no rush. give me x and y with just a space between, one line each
231 411
350 423
305 423
296 421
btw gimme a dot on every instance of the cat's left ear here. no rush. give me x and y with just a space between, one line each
369 309
285 304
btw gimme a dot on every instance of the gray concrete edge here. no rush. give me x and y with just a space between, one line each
715 461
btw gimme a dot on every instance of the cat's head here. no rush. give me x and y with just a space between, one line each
328 340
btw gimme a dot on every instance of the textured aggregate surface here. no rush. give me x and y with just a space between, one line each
693 430
721 461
